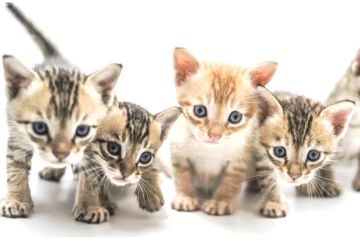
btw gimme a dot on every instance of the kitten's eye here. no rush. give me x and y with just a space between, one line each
235 117
145 157
40 128
113 148
280 152
313 155
200 111
82 130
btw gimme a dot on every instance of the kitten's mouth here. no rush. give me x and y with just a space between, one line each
120 181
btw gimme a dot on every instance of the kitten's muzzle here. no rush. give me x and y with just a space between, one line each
61 155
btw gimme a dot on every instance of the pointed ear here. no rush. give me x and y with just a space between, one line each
268 104
18 76
261 73
104 81
339 116
166 119
185 64
355 65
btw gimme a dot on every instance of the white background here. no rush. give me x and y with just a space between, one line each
313 42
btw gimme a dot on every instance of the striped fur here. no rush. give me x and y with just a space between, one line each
299 125
136 131
210 155
63 99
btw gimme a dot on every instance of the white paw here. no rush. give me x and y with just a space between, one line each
13 208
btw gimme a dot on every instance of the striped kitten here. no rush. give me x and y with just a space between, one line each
299 139
122 154
219 114
349 88
53 111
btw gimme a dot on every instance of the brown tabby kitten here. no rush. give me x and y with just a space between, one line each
219 113
122 154
53 111
349 88
299 139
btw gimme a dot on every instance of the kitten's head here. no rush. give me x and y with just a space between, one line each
58 108
218 100
298 135
127 140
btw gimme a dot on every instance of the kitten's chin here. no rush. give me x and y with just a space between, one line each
121 182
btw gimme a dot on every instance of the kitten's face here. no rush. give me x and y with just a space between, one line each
127 141
58 110
218 100
300 136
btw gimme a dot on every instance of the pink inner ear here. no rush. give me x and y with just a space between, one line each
185 64
262 74
338 120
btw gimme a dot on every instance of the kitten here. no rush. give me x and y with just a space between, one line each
299 139
53 111
122 153
213 137
349 88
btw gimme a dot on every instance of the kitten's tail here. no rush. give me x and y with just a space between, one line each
47 48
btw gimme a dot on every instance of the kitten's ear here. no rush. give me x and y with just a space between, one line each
268 104
104 81
355 65
339 116
185 64
261 74
166 118
18 76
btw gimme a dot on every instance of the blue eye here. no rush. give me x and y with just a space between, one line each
313 155
114 148
235 117
145 158
280 152
82 130
40 128
200 111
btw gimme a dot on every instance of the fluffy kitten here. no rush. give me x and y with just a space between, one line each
53 111
122 153
349 88
213 138
299 139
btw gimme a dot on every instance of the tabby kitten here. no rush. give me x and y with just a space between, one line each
349 88
122 153
53 111
299 139
219 112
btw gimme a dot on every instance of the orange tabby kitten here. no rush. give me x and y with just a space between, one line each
214 138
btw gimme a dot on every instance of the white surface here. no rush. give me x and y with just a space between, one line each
313 42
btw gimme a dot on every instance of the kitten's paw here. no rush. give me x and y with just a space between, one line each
13 208
111 207
215 207
91 215
51 174
273 210
356 184
150 202
185 203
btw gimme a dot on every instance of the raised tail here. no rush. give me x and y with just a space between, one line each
47 48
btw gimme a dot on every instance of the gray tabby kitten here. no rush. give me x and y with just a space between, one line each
298 140
123 153
349 88
53 111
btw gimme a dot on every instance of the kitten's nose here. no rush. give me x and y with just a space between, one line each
60 155
295 176
214 133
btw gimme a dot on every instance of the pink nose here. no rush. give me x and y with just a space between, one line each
295 176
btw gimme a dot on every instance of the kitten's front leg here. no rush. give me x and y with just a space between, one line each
18 202
148 191
185 199
52 174
356 181
324 185
224 197
88 207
